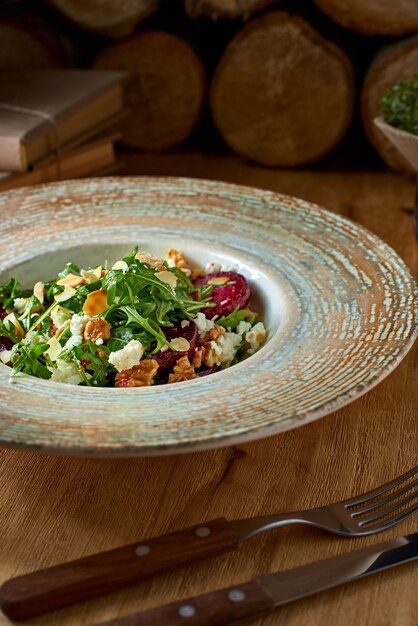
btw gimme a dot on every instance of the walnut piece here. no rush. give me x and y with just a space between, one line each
177 258
197 273
183 370
140 375
210 356
197 358
214 333
97 329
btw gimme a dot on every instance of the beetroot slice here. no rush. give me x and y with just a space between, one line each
167 359
205 371
3 313
5 343
226 297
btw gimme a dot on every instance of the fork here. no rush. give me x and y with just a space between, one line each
61 585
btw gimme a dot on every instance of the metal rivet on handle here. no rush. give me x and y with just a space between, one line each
142 550
236 595
187 610
203 531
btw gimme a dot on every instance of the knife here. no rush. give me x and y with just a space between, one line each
260 595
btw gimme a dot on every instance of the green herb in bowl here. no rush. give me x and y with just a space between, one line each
399 105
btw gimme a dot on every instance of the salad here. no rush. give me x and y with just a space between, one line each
143 321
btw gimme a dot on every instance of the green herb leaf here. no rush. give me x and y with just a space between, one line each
29 360
231 321
400 105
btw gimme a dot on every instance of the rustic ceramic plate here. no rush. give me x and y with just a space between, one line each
337 301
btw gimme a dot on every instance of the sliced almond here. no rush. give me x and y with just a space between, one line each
180 344
88 277
54 350
153 261
96 303
71 281
12 318
5 356
98 271
219 280
38 291
120 265
167 277
68 293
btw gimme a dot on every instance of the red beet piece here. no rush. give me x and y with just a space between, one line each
167 359
5 344
3 313
206 371
226 297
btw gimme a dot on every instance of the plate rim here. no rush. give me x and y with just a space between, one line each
253 433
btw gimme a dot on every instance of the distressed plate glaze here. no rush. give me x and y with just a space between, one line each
339 303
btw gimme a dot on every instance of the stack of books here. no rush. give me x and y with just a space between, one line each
58 124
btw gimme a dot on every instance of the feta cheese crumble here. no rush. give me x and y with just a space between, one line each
19 305
203 324
60 316
128 356
74 340
256 336
66 373
78 324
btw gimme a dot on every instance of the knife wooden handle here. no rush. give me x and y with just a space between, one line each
61 585
224 606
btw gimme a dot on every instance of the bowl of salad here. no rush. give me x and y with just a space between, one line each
151 316
142 321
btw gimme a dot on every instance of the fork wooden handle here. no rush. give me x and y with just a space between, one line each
224 606
61 585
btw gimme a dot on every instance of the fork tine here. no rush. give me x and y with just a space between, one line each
387 511
391 522
382 501
382 489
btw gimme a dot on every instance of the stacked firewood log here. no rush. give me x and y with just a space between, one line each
279 82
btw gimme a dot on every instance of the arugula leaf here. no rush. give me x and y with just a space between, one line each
70 268
97 365
9 331
10 291
231 321
29 360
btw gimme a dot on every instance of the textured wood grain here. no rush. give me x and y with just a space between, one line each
373 17
258 93
164 89
230 9
54 509
24 48
114 18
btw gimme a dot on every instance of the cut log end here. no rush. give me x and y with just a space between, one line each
282 95
373 17
113 18
228 9
397 62
21 48
165 88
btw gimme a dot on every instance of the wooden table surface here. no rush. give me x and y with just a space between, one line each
54 509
